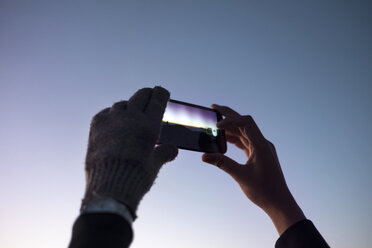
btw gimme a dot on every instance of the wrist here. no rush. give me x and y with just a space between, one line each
104 204
284 214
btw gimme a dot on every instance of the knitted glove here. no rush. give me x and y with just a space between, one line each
122 161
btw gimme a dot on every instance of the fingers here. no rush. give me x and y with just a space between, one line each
231 125
240 142
164 153
233 139
122 105
251 131
101 114
100 117
231 121
243 126
148 100
224 110
223 162
157 103
139 100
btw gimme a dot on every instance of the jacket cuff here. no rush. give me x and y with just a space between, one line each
301 234
101 230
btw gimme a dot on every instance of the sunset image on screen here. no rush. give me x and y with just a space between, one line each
190 116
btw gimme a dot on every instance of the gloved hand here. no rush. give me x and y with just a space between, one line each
122 161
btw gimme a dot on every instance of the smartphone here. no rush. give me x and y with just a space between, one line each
192 127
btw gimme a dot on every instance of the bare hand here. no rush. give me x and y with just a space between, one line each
260 178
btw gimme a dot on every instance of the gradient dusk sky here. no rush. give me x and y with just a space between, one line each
302 69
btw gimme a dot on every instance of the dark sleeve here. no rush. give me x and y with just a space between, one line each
101 230
301 234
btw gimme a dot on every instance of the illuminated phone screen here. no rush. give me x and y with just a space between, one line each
191 127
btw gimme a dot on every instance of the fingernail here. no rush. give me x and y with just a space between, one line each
219 163
204 156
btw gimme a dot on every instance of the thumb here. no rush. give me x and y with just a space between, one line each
223 162
164 153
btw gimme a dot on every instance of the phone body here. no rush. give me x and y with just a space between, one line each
192 127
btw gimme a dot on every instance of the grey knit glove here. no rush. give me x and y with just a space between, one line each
122 161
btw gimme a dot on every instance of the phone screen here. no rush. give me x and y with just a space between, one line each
192 127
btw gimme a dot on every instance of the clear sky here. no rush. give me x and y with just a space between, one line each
302 69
